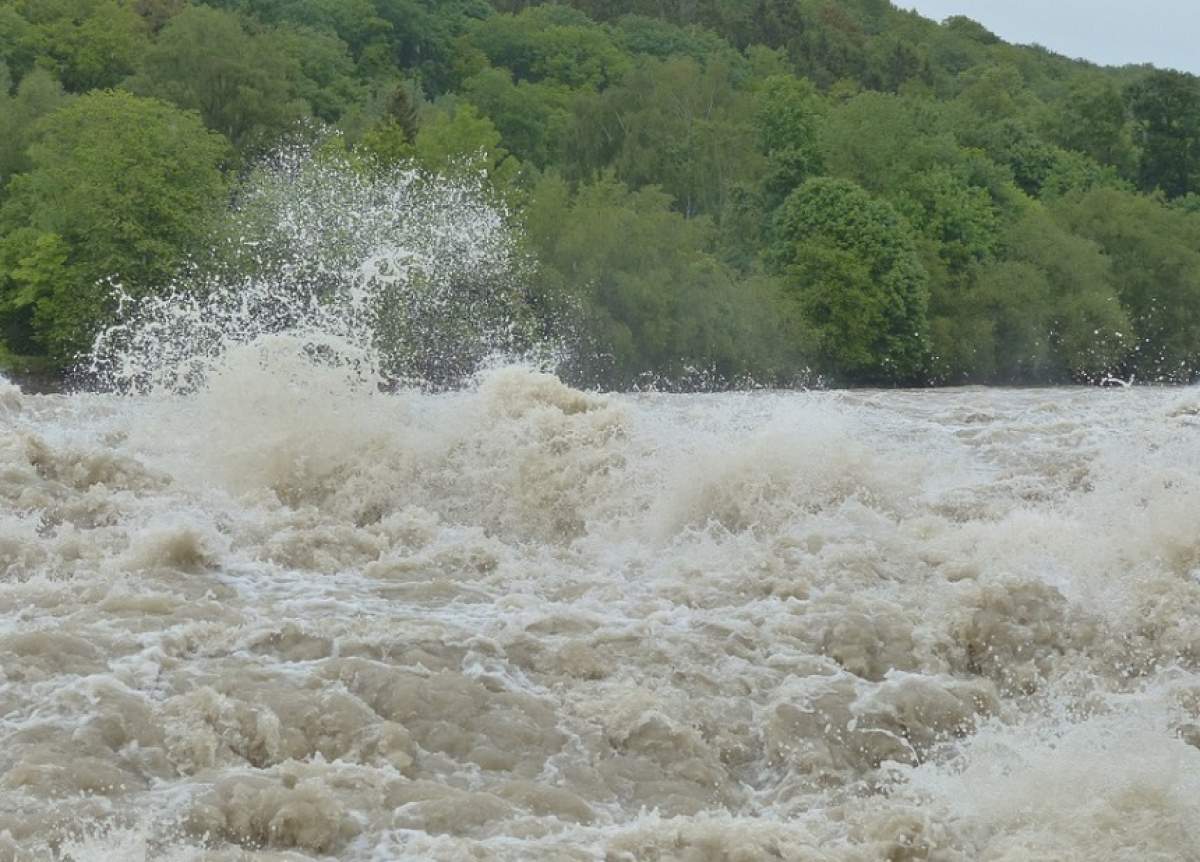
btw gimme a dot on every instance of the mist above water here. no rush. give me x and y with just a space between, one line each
262 609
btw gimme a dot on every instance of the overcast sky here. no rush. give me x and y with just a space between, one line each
1112 32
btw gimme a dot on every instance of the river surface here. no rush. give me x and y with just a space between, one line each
286 617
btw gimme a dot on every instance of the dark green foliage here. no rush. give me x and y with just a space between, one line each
739 188
1093 120
552 43
242 84
962 26
37 95
456 137
318 69
1166 107
960 219
533 118
402 111
85 43
787 118
118 188
21 43
682 126
1155 256
644 36
1048 311
881 141
852 265
660 308
158 12
1088 327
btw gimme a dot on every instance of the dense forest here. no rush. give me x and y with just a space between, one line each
716 190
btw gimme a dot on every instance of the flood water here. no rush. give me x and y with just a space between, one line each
288 617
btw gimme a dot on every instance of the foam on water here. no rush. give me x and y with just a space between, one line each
265 610
519 621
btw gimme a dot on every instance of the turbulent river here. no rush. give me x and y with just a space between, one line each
287 617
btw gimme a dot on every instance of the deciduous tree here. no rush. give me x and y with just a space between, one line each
120 187
852 265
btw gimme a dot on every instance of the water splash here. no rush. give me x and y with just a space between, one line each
392 274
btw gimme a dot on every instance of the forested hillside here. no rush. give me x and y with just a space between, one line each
712 190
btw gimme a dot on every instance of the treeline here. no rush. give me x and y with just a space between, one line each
713 190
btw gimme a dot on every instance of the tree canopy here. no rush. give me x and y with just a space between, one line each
119 188
717 190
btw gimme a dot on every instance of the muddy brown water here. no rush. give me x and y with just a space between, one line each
267 621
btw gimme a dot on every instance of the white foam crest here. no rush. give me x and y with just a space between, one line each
10 398
1116 784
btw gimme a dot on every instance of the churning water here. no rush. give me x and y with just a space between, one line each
274 612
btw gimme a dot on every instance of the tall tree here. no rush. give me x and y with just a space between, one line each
533 118
119 187
552 43
243 85
851 264
684 127
85 43
1094 119
37 95
1155 256
456 137
640 278
1166 107
787 118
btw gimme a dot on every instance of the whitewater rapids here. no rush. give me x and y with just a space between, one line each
291 617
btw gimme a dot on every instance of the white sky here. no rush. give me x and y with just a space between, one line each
1112 32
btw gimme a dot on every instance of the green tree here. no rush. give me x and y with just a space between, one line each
426 37
893 62
1155 256
1093 120
551 43
390 138
243 85
644 35
456 137
119 187
638 274
787 117
534 119
684 127
881 141
419 37
1017 300
157 13
86 43
851 264
996 325
20 42
320 72
1088 329
102 49
994 92
960 218
1166 108
356 22
37 95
